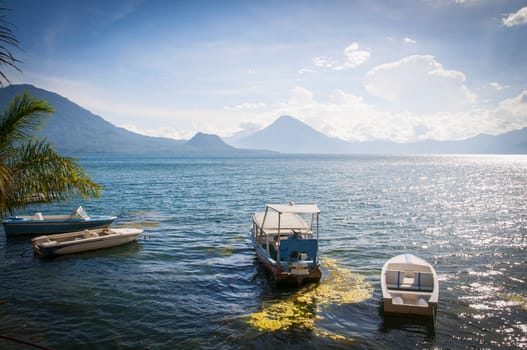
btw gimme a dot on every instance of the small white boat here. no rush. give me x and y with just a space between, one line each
81 241
409 286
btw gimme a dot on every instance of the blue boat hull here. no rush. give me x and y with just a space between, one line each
14 227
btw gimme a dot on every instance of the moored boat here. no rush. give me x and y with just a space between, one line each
409 286
78 220
284 242
82 241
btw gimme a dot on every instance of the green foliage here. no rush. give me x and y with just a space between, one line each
29 166
7 39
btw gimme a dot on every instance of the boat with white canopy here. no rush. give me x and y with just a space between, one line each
285 238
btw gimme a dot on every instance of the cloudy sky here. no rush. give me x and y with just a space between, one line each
354 69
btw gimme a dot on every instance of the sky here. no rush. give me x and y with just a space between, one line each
354 69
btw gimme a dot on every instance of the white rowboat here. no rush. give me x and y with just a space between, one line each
81 241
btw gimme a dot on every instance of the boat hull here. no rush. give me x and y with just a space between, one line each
281 277
82 241
14 227
416 310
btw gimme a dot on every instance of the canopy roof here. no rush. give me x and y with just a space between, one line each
285 217
288 221
295 208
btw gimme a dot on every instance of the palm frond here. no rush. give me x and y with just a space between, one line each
24 114
8 38
39 169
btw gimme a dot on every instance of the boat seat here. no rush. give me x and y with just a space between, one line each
393 279
90 234
38 216
426 281
418 281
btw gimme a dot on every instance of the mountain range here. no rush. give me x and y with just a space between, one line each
290 135
75 130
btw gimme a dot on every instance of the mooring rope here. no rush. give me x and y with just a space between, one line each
36 346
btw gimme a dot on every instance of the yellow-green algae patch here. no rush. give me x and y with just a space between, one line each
137 224
520 300
340 286
226 250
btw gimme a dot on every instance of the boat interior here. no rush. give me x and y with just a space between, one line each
409 284
73 236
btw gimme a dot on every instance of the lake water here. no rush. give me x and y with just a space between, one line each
192 280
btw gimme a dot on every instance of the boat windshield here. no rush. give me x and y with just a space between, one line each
80 213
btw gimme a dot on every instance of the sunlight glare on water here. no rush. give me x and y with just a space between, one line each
192 280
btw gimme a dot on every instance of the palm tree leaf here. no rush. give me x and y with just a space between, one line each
7 37
39 169
24 114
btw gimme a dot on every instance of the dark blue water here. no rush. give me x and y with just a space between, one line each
192 281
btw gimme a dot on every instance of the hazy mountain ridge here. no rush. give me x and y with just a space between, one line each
75 130
290 135
210 142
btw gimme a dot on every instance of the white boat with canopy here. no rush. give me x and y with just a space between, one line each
285 238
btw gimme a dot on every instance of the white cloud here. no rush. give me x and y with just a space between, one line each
303 71
419 84
300 96
345 116
408 40
349 117
515 108
353 58
498 86
465 1
168 132
517 18
342 114
246 106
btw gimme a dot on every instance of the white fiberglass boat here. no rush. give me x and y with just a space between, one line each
409 286
81 241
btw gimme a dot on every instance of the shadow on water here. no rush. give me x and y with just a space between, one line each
21 246
413 327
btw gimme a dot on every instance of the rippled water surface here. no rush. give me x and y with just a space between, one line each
192 281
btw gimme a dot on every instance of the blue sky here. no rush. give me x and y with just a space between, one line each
358 70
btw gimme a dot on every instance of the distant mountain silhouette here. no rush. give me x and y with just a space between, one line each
289 135
75 130
208 142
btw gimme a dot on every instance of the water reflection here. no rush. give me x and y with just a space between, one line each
420 326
